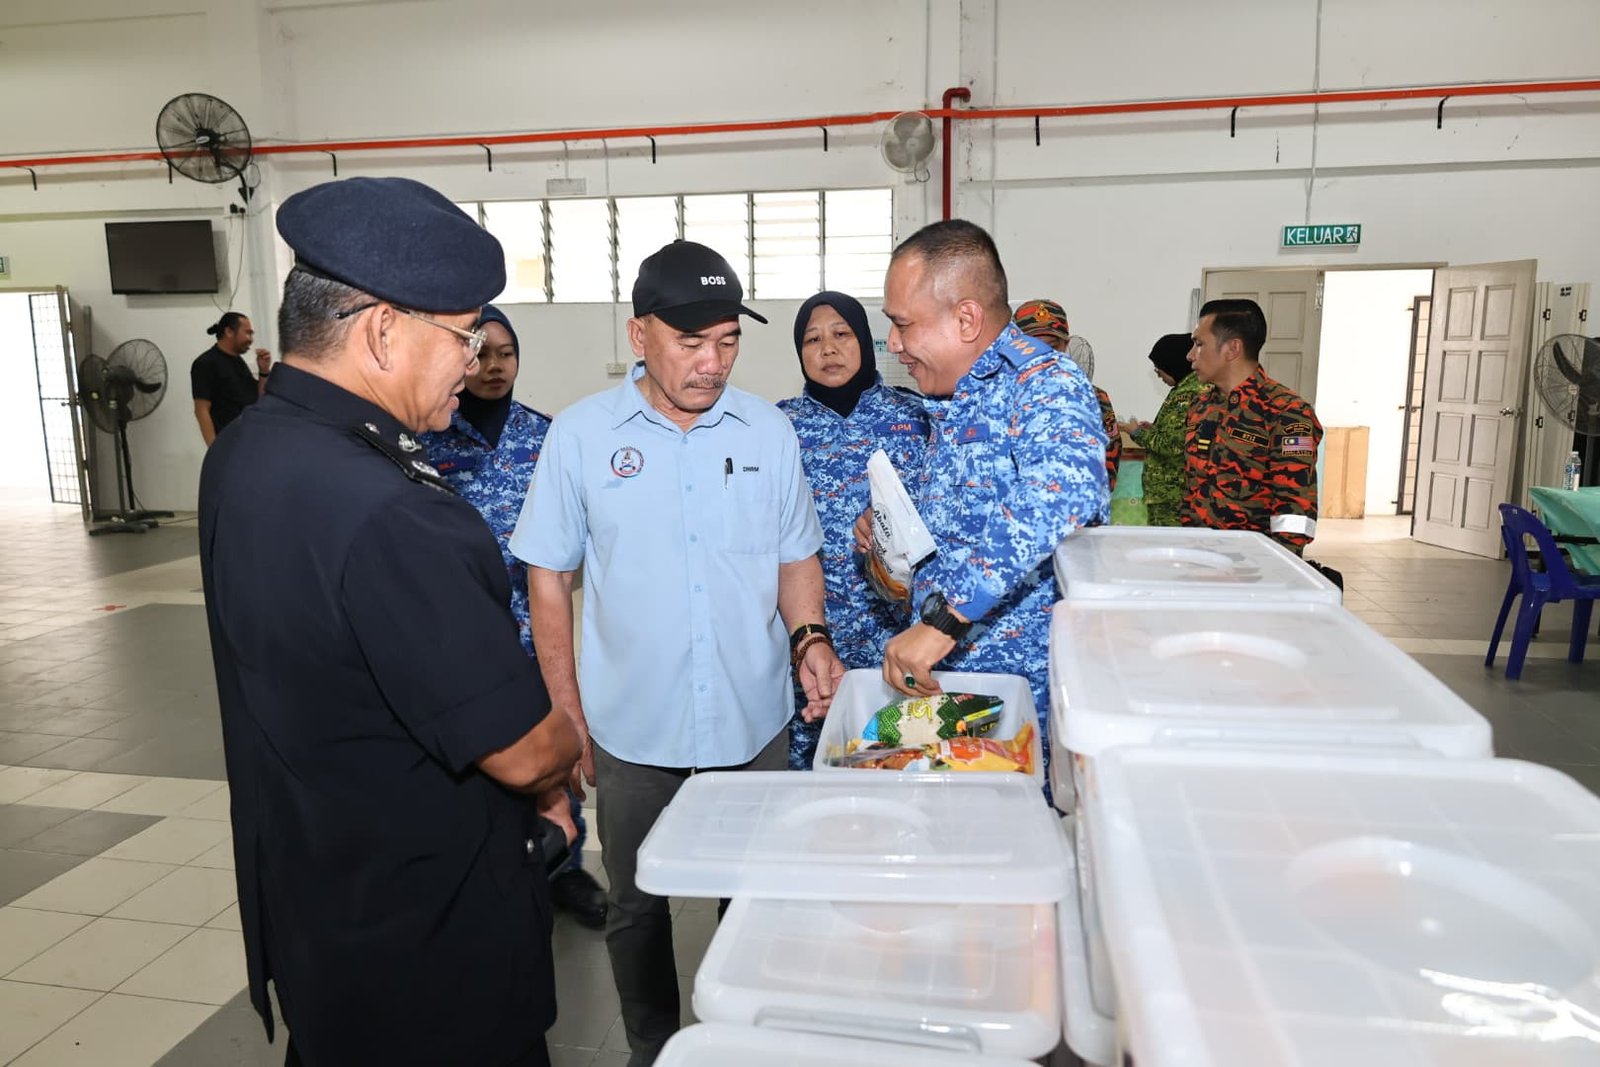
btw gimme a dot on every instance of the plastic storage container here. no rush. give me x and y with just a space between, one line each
1125 563
872 838
1273 908
1285 676
862 692
987 975
1254 674
1089 1035
720 1045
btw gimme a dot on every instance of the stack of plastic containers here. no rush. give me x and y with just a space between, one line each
1196 640
906 912
1271 908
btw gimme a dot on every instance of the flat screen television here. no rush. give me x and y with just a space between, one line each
161 257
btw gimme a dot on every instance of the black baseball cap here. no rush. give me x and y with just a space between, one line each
689 286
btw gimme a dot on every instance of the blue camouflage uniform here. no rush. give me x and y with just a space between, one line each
833 451
1016 462
494 479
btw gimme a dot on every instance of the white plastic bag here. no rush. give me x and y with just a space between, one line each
900 539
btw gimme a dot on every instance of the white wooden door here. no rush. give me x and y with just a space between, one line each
1472 398
1292 302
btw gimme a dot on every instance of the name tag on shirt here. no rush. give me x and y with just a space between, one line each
978 431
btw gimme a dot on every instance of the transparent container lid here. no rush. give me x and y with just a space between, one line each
931 838
722 1045
985 973
1268 909
1179 563
1295 674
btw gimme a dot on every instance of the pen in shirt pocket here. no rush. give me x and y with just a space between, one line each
727 471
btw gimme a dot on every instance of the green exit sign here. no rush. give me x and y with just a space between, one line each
1311 236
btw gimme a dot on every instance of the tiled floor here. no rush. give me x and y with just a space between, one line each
118 926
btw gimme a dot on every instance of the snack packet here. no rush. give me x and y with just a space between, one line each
931 719
881 757
900 539
985 753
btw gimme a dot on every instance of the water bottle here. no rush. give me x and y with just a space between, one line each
1572 474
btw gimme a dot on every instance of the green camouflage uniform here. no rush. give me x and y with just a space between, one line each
1163 441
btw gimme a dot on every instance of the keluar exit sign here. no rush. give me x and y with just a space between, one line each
1348 233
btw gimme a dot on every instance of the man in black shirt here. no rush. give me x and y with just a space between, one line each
391 871
221 380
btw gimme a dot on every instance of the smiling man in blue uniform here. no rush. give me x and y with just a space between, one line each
389 857
684 501
1016 463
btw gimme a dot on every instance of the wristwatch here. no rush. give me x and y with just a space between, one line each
937 614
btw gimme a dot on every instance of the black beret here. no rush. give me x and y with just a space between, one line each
396 239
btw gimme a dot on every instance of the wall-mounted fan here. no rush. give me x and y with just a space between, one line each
204 138
907 143
125 386
1566 373
1082 353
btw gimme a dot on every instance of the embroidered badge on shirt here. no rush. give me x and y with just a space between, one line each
627 462
409 443
1297 444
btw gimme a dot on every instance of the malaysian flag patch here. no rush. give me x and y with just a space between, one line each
1301 444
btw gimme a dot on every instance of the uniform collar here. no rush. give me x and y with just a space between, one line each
333 404
629 403
461 426
868 395
1253 382
1012 347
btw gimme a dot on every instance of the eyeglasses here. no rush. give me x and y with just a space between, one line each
471 340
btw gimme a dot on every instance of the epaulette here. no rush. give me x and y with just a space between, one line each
534 411
402 452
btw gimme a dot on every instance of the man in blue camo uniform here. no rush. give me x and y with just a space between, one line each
1016 463
488 455
845 414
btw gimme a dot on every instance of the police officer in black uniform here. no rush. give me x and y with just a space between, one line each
389 774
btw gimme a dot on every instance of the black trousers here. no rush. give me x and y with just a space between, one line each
629 797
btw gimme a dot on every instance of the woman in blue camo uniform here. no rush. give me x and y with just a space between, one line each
845 414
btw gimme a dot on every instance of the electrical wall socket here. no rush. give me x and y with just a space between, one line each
616 370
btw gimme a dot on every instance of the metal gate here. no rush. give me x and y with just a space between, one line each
56 366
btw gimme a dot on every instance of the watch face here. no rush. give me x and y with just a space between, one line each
930 604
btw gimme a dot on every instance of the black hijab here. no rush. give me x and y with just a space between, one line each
1171 354
488 417
841 398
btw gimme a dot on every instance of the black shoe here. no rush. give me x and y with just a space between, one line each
579 895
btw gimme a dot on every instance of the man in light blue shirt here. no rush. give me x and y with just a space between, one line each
685 503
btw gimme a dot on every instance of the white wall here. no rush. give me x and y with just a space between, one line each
1361 373
1115 217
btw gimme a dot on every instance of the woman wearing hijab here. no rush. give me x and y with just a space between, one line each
844 415
1163 439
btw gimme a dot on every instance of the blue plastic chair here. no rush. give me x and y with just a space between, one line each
1550 585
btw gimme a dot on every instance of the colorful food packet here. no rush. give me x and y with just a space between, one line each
985 753
917 721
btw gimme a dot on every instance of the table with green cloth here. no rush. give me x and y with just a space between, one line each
1572 513
1127 500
